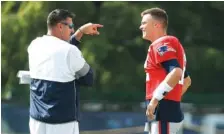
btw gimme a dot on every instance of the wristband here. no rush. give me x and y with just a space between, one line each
161 91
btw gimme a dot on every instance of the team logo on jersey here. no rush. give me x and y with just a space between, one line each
164 48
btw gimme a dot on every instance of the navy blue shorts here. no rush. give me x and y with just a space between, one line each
168 118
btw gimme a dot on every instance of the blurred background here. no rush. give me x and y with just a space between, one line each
115 104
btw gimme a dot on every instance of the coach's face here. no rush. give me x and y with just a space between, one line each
147 26
66 27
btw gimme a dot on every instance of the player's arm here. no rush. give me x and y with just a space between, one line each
170 65
174 74
81 69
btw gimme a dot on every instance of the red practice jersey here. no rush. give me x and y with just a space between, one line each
163 49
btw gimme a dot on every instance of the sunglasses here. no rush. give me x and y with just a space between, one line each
71 26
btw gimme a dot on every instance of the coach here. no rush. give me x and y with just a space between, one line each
55 65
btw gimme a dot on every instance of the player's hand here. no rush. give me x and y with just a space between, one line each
151 108
90 28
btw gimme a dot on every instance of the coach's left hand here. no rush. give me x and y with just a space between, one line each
90 28
151 108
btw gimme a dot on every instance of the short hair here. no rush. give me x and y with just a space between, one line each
158 14
57 16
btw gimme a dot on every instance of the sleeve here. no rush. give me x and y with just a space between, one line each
81 69
76 62
74 42
169 65
164 52
86 80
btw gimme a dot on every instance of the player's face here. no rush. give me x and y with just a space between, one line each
66 28
147 26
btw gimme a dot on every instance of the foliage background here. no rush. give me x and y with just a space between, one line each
118 53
